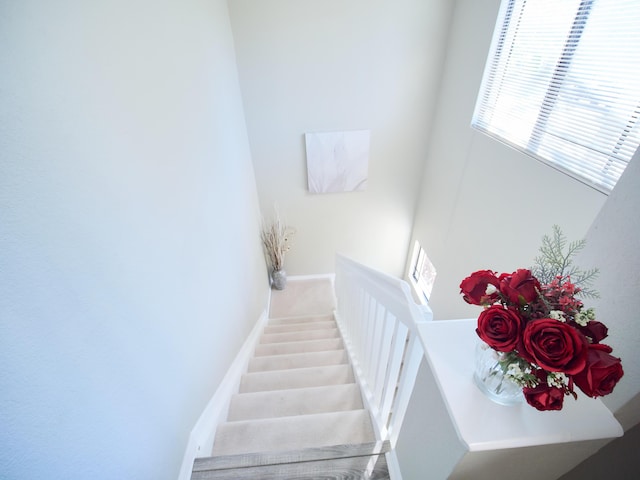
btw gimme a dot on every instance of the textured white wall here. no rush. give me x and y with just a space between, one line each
613 245
483 204
128 232
333 65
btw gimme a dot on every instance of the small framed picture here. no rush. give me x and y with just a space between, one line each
337 161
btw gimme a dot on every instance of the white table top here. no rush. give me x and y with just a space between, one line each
484 425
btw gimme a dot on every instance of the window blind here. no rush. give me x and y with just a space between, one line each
562 84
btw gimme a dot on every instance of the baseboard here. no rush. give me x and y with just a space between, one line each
200 442
330 276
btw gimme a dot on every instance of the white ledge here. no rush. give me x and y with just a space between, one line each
484 425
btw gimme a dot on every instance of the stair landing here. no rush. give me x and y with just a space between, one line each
303 298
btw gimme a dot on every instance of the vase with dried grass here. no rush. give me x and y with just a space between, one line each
276 238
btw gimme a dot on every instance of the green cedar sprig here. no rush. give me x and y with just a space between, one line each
556 260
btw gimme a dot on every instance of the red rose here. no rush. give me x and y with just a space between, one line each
596 331
555 346
520 287
499 328
543 397
602 373
474 288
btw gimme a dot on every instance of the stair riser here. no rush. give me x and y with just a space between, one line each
302 401
299 336
297 327
296 378
299 347
294 320
299 360
289 433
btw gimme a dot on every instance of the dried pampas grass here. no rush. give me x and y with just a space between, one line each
276 238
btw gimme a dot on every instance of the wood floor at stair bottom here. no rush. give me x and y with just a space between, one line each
366 460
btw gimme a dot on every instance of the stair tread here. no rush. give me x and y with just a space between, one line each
297 319
301 335
296 378
297 360
297 401
290 433
299 347
297 327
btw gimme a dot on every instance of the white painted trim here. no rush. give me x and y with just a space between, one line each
393 465
414 257
200 442
365 390
417 293
330 276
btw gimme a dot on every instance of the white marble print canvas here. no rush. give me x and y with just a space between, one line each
337 161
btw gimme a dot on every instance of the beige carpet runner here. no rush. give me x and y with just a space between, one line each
299 391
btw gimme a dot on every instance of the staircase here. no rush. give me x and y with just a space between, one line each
299 411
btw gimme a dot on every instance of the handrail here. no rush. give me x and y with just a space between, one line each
378 319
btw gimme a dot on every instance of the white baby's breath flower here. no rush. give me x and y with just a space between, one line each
516 374
581 319
585 317
557 315
556 379
491 289
514 370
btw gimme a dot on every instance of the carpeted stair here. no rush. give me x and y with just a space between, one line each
299 392
298 395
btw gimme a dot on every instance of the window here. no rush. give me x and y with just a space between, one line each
422 274
562 85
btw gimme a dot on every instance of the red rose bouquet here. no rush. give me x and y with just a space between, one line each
549 342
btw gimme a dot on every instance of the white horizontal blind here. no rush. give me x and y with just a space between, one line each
562 83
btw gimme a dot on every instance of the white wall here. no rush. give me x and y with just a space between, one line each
484 205
613 246
619 456
128 232
332 65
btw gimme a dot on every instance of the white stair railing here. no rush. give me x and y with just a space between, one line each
378 320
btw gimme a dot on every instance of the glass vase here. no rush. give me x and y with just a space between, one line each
491 379
279 279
